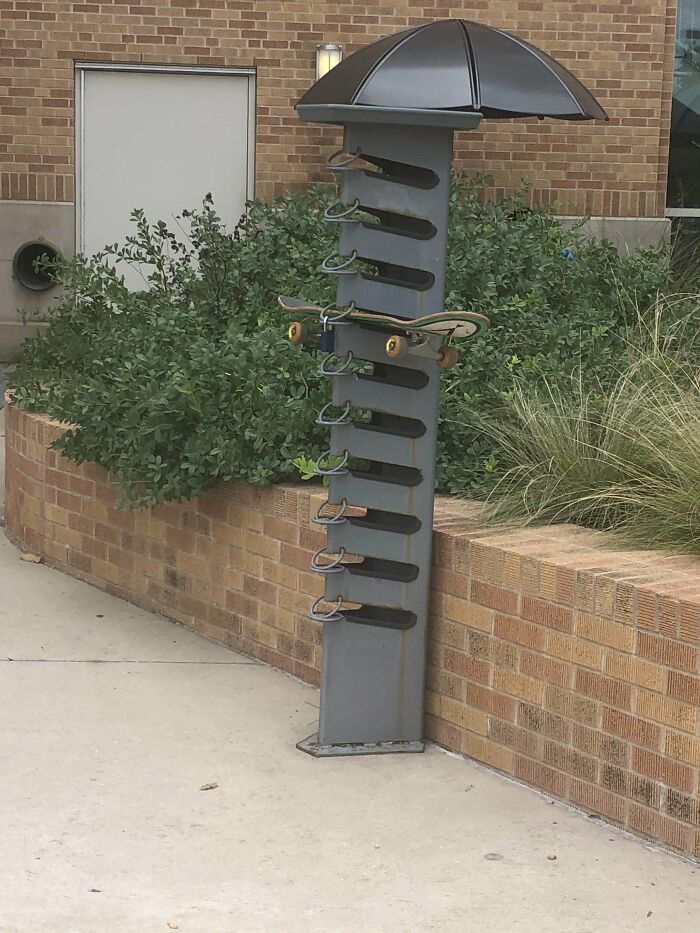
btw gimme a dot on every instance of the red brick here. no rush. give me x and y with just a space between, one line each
602 688
600 745
572 706
568 759
485 648
466 666
540 720
545 668
444 733
631 727
660 768
498 704
684 688
597 800
653 824
534 772
681 807
520 740
495 597
689 624
516 630
260 589
547 614
666 651
446 683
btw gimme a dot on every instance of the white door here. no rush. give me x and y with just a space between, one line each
160 140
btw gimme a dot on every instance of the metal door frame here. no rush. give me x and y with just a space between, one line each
82 67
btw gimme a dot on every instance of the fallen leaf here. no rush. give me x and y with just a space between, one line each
32 558
209 786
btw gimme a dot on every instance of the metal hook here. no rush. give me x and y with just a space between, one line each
343 370
334 615
338 469
342 217
335 566
342 165
336 519
327 320
343 419
343 268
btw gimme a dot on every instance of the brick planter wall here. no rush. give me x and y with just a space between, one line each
570 666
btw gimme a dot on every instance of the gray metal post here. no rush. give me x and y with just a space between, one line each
373 672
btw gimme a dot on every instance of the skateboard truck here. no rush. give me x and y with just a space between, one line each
398 346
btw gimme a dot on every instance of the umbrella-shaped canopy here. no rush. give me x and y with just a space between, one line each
451 65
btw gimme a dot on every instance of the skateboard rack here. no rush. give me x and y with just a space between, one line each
399 101
392 216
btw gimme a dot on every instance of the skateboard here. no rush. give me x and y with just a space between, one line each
412 337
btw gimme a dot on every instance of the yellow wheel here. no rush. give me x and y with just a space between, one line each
298 333
396 346
448 357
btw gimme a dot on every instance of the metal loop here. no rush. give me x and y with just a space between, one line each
335 566
342 217
334 615
343 370
336 519
343 268
328 320
343 419
342 165
339 469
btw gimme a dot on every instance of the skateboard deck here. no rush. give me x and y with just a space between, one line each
450 323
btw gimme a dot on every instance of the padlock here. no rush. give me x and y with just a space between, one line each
327 340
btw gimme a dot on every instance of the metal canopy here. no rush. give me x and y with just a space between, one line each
454 66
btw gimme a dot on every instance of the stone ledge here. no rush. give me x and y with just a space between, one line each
555 658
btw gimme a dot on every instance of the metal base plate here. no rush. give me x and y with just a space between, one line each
312 747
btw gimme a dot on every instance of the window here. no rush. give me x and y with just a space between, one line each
684 165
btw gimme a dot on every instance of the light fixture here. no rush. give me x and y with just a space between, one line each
328 55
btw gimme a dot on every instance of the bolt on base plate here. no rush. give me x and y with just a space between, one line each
312 747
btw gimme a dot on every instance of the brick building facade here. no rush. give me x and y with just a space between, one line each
622 50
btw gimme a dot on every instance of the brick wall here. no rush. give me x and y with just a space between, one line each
621 49
563 663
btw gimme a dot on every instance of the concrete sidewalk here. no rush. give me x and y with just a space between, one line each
113 718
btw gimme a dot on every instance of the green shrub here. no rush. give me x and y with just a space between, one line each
171 388
190 381
559 303
628 461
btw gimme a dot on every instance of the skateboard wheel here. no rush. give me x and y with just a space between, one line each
396 346
298 333
448 357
